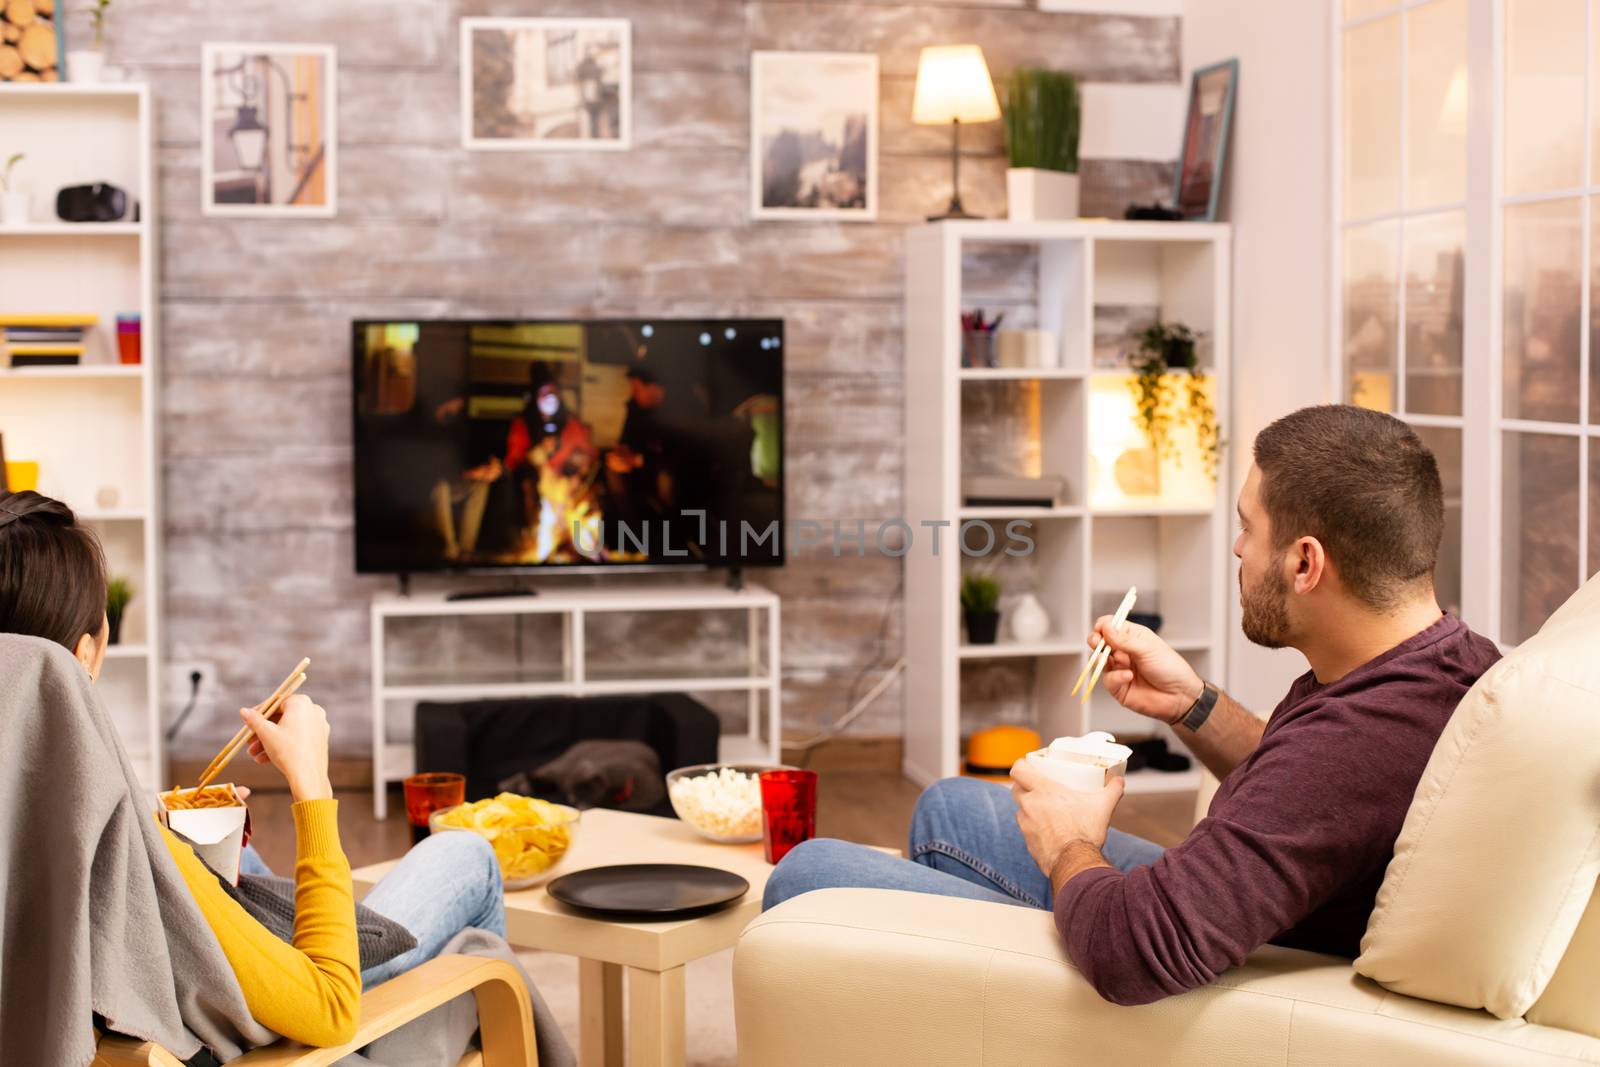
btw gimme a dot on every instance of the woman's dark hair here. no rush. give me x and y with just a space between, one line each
52 571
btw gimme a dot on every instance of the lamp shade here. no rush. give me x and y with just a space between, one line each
249 138
953 84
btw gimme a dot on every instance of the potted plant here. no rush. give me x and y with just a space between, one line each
1165 351
87 64
119 591
1042 119
980 601
13 201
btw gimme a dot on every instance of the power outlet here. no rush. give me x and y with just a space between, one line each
177 686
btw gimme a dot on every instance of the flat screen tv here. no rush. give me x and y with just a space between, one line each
537 444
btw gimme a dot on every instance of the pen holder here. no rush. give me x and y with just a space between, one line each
977 348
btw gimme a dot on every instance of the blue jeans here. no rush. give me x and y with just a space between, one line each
444 885
965 842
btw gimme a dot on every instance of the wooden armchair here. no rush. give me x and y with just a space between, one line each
505 1020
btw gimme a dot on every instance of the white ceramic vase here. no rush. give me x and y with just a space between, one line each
1034 195
13 208
85 65
1029 621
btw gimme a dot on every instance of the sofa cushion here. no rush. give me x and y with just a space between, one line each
1569 1000
1500 851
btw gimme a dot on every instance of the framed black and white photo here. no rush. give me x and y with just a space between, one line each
546 84
814 135
269 130
1205 140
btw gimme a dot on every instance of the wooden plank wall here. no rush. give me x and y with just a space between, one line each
256 313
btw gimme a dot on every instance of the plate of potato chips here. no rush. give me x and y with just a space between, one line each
529 836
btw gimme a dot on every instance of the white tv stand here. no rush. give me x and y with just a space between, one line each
392 762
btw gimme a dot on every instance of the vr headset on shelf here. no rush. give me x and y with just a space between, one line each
98 202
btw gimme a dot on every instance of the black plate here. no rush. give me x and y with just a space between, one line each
652 891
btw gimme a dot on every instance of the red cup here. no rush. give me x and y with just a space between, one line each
788 810
426 794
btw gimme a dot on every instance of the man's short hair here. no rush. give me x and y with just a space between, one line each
1362 483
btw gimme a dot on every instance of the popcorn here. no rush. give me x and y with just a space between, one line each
724 802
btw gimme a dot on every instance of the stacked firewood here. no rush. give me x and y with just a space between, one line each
28 50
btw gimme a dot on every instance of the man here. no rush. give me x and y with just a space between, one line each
1340 520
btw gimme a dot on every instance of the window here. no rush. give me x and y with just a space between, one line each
1402 220
1466 235
1547 410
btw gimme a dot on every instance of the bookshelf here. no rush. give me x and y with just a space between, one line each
93 427
1171 541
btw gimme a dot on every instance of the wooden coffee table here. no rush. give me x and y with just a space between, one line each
654 953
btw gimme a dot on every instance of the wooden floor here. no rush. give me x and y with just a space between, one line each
873 808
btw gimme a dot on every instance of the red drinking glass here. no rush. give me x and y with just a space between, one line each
788 810
426 794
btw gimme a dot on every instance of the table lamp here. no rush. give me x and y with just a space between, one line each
953 86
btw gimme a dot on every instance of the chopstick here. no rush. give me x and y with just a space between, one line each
242 738
1101 656
1094 653
268 707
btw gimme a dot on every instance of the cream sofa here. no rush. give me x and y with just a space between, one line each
873 978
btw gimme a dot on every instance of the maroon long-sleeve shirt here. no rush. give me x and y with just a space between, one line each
1298 835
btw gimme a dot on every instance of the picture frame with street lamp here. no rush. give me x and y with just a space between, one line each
269 130
546 84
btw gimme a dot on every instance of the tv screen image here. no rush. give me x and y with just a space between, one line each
567 443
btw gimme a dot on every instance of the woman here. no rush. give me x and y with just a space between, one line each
52 585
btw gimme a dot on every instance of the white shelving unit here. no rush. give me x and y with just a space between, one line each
94 427
1172 543
578 673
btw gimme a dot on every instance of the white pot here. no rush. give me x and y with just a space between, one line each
14 208
85 65
1033 195
1029 621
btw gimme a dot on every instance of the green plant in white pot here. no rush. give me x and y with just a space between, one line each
1043 113
13 201
119 592
86 63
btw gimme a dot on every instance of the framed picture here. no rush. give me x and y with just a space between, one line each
813 135
538 84
269 130
1205 140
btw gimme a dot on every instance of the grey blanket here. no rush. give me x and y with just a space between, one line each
269 900
94 916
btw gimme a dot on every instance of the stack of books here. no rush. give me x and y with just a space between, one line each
33 340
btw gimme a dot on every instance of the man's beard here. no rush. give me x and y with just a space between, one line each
1265 614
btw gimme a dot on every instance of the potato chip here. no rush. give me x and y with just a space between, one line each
528 835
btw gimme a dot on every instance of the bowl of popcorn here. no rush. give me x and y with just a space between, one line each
720 801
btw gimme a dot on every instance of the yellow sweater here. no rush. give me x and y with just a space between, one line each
310 990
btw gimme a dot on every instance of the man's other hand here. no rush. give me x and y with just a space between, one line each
1054 817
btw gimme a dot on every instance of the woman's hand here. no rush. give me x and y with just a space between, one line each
1145 674
297 744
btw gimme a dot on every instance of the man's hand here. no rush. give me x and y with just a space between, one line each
1144 673
1064 828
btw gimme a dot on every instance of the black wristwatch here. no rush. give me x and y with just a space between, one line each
1200 710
